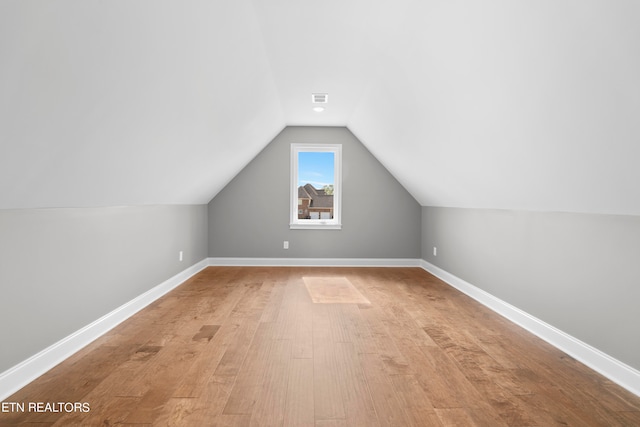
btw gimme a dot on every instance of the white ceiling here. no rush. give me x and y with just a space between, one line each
496 104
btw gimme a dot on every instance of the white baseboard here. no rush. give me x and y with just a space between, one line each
28 370
613 369
315 262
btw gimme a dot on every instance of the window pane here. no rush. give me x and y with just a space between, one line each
315 184
316 171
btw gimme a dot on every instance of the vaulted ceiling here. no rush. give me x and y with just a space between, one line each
529 105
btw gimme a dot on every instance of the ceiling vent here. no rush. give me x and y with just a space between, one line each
319 98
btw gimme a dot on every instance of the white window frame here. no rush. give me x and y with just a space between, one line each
328 224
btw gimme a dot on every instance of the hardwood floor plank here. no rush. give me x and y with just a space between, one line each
269 408
285 319
414 400
394 361
627 418
388 409
234 355
468 396
419 417
206 333
250 372
406 326
549 407
200 410
410 393
302 341
331 423
628 401
203 368
482 371
225 306
328 403
337 324
358 329
300 409
161 380
226 420
355 390
455 417
274 306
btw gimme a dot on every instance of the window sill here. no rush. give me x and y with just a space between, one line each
315 226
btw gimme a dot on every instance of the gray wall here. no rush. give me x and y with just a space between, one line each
250 216
577 272
61 269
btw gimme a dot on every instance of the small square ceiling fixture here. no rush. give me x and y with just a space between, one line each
319 98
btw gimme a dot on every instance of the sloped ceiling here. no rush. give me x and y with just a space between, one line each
496 104
130 102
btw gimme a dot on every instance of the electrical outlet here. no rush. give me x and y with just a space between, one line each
285 245
435 251
180 257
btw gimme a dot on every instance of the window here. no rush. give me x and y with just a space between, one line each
316 171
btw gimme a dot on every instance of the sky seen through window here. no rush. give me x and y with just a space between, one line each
315 168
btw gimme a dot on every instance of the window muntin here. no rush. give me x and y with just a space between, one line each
316 185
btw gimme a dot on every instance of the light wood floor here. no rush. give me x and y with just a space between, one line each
247 346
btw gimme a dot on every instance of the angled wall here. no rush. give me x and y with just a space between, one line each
250 216
62 269
576 272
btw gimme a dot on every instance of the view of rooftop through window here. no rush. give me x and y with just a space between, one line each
315 184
